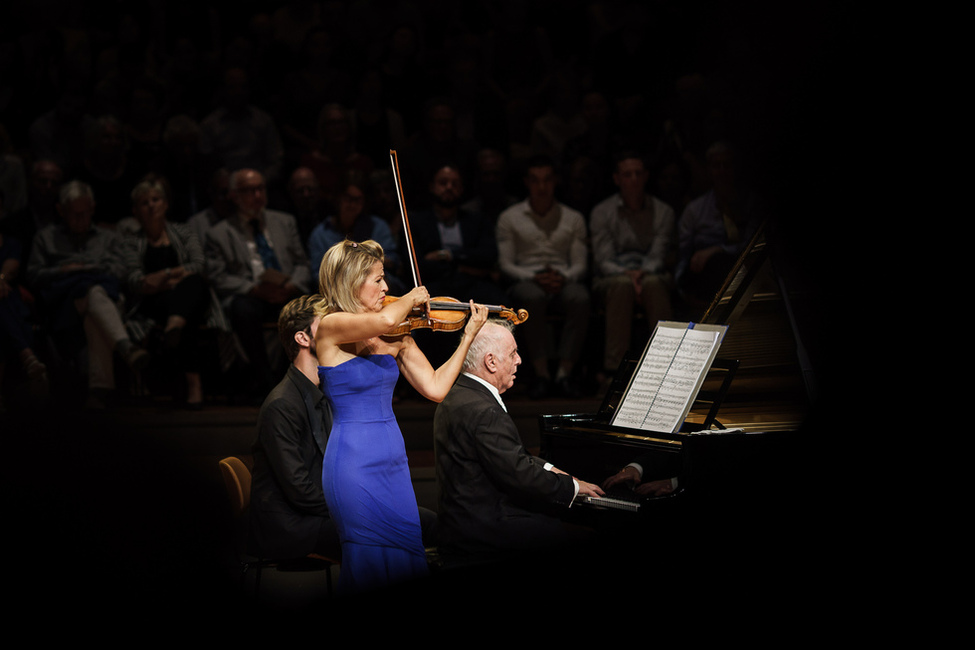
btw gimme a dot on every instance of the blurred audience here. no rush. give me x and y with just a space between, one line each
633 249
163 276
239 134
16 332
108 170
74 269
305 201
336 153
13 178
354 220
456 250
543 252
257 263
490 195
715 228
307 96
184 167
436 143
59 134
43 189
220 206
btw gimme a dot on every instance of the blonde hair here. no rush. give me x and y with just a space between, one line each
344 268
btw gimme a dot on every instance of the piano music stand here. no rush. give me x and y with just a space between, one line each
714 397
617 387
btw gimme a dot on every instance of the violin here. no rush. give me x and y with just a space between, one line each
447 315
440 314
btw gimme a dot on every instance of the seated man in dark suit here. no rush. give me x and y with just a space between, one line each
456 252
289 516
495 497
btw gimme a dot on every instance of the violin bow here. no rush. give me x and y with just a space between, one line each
414 267
407 233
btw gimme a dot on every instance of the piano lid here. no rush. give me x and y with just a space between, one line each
774 383
762 375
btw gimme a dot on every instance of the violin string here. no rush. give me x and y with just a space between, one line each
460 306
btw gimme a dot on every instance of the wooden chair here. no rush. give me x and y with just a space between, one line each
237 478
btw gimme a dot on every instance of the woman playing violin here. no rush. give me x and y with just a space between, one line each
365 474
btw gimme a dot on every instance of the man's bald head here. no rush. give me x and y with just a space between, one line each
493 355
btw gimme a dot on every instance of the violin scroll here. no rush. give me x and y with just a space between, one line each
515 317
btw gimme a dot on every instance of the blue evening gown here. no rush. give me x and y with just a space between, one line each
366 477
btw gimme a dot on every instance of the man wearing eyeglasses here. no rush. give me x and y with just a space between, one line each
257 263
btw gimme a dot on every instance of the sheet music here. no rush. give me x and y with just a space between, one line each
666 382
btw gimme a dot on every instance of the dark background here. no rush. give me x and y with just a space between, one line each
781 77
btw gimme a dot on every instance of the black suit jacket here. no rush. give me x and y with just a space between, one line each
494 495
480 250
288 515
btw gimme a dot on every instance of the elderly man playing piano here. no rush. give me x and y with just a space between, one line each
495 497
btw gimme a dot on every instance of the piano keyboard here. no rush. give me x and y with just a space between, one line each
611 502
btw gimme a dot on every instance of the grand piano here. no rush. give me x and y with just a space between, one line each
740 445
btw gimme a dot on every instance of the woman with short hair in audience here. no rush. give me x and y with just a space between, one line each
164 276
